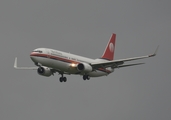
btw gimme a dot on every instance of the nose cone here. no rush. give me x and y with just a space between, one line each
31 54
35 53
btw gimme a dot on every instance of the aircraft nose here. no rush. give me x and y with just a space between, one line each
32 56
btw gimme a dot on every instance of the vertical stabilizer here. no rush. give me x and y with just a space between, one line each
110 49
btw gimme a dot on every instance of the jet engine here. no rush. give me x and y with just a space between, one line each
84 67
44 71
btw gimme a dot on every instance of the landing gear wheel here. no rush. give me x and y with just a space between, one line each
86 77
64 79
61 79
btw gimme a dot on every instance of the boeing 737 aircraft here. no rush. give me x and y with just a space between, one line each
49 61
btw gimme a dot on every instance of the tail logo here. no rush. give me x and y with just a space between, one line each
111 47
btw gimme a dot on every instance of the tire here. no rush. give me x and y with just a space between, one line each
88 77
64 79
61 79
84 77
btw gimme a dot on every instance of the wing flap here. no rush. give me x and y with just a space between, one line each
130 65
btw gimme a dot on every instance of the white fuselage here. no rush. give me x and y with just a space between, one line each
62 61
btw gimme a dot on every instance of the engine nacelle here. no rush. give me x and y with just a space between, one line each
84 67
44 71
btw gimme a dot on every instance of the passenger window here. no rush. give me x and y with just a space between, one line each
39 51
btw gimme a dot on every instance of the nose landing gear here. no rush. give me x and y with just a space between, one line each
62 79
86 77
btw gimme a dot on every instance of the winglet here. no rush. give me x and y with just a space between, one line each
23 68
155 53
15 63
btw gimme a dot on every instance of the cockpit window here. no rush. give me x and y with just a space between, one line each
39 51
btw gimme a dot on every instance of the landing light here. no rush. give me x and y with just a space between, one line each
73 65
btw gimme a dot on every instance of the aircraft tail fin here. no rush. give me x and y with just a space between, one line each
110 48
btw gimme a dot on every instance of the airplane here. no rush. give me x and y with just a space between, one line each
50 61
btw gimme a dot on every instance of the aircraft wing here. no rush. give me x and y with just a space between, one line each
34 68
118 63
23 68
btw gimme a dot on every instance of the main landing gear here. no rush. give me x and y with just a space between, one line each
62 79
86 77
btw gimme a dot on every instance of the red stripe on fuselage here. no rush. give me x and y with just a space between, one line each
54 57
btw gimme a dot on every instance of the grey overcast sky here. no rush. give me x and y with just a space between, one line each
84 28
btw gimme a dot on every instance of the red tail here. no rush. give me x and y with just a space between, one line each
110 48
